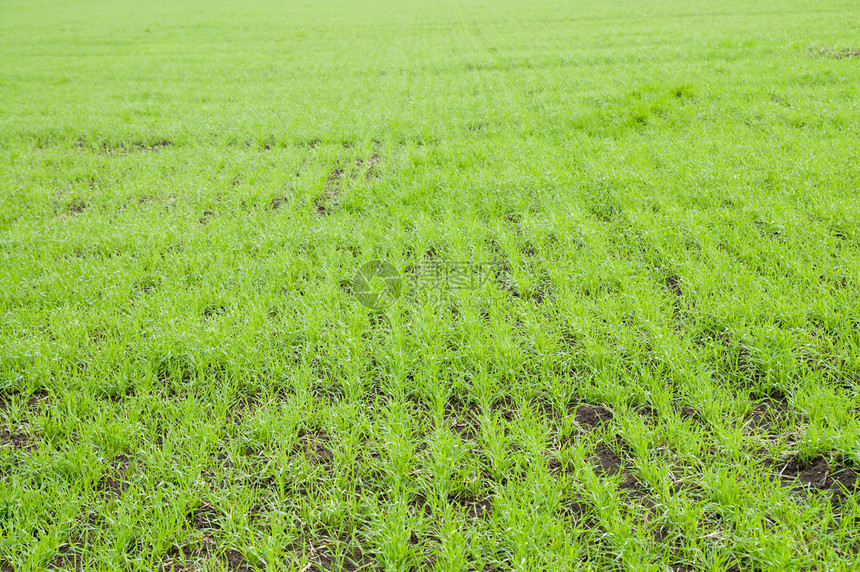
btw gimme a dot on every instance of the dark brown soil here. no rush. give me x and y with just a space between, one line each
649 414
822 474
16 441
329 201
124 148
61 562
480 509
325 555
205 517
117 394
691 414
277 202
768 418
506 407
607 462
772 412
557 467
467 430
178 559
236 562
580 510
546 408
112 486
475 508
369 164
76 206
420 504
812 474
673 285
836 53
333 188
592 415
464 415
182 559
315 446
114 483
39 397
772 395
844 483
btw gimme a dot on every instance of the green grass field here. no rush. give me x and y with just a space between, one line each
655 364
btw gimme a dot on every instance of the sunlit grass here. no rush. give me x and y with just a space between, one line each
655 369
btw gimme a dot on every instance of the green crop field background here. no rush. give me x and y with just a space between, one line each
657 368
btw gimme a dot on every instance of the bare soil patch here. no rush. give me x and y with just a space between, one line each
823 474
205 518
420 504
607 462
592 416
772 412
67 561
181 559
329 201
236 562
125 147
474 507
277 202
464 418
691 414
314 445
581 511
672 284
835 53
16 441
370 165
648 414
324 554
